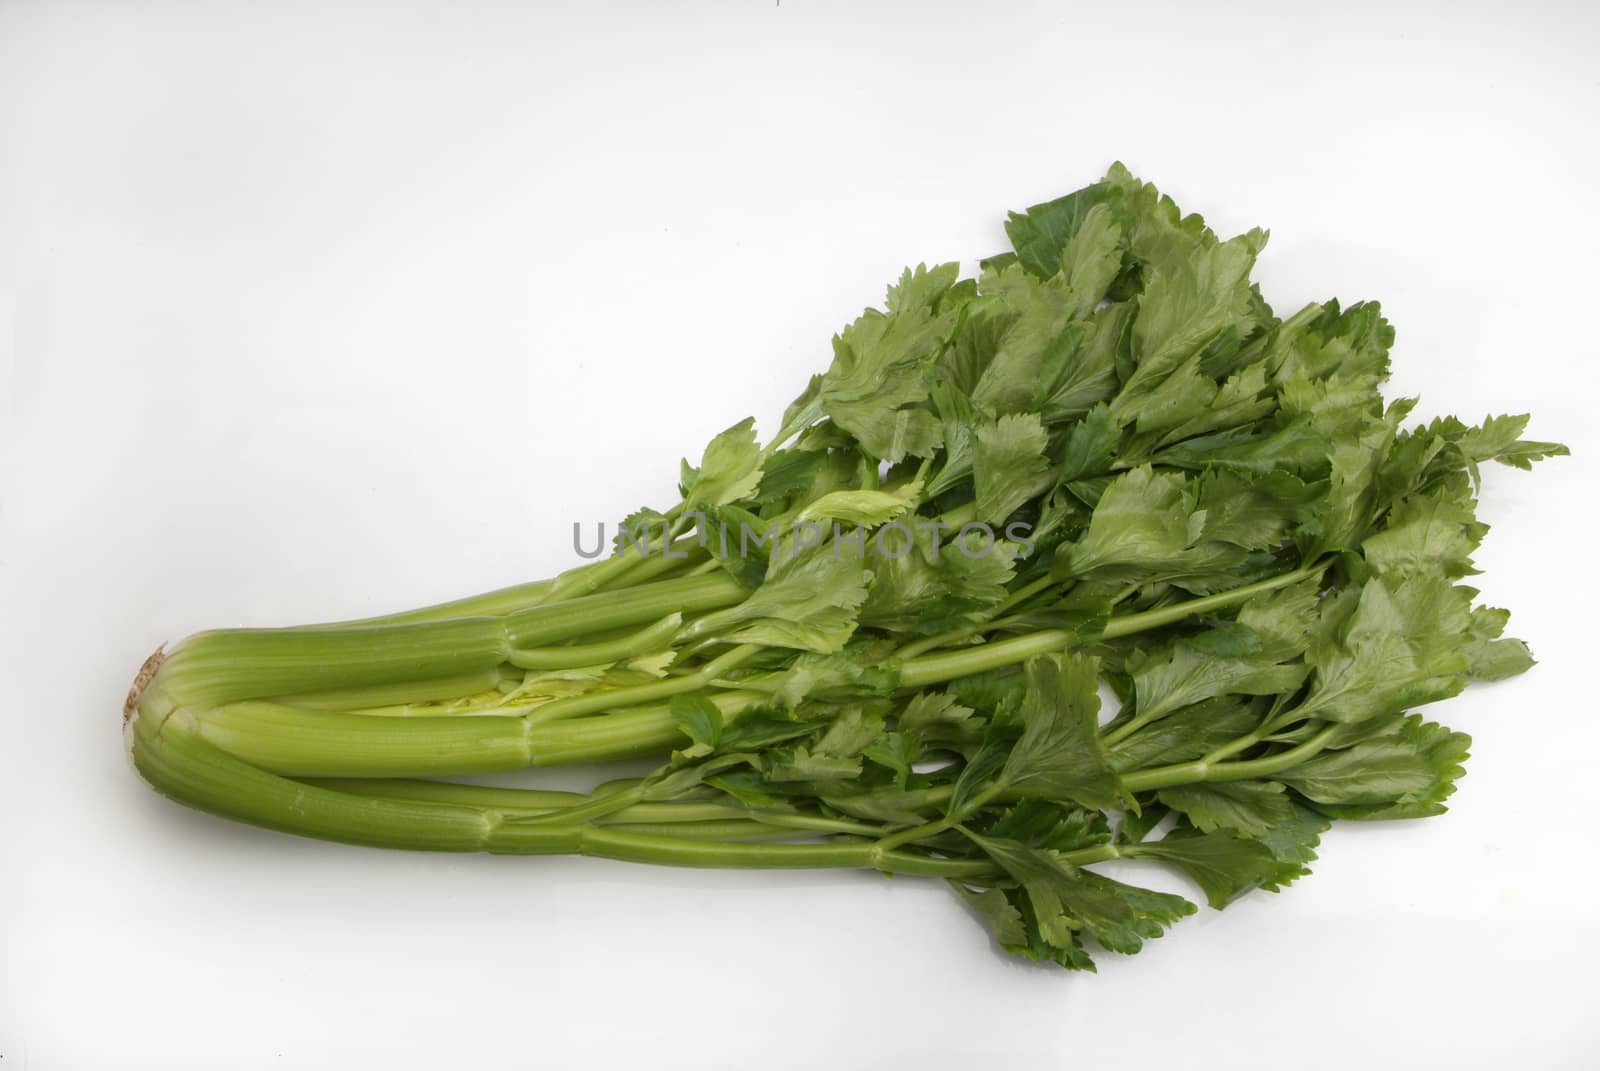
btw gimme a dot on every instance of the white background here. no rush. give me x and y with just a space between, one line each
319 313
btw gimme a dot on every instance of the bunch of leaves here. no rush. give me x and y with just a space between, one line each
1115 398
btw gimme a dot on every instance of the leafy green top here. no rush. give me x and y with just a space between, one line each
1110 439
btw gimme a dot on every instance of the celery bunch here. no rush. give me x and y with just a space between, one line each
879 639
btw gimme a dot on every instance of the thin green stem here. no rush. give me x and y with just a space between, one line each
604 842
1127 590
1249 740
717 829
940 825
1121 732
519 802
1128 624
960 515
653 637
655 567
589 579
598 805
934 669
868 468
679 810
1199 771
608 610
1100 853
633 564
1274 763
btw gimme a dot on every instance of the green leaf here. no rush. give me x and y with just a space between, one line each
1346 510
877 382
1059 755
1283 620
866 508
1406 773
1048 824
979 775
1093 256
729 471
850 734
1141 522
1186 734
1009 465
1224 864
679 777
1322 342
1490 658
1255 515
1077 377
996 692
1426 533
1497 439
895 751
1397 648
1135 827
737 539
790 473
1241 400
926 710
857 671
1041 234
1190 674
1048 883
808 601
1296 448
1179 396
1194 293
1122 917
1040 354
755 732
1248 807
995 909
1522 454
803 764
896 806
922 586
1295 839
701 721
1065 899
748 788
1091 446
835 754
